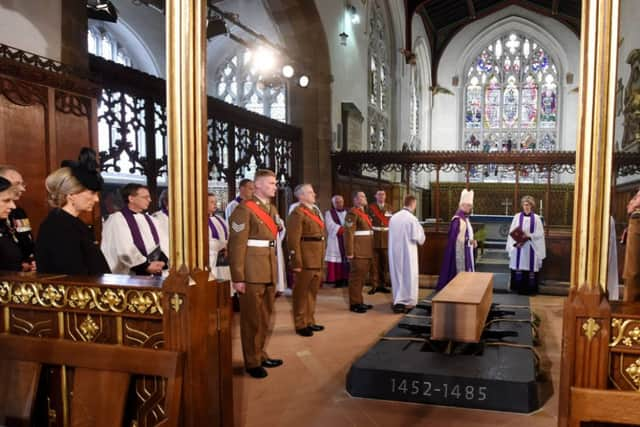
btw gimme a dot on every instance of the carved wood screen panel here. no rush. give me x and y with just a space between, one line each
132 117
45 117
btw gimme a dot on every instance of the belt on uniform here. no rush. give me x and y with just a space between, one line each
256 243
380 228
312 239
363 233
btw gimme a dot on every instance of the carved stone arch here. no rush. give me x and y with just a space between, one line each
423 61
300 27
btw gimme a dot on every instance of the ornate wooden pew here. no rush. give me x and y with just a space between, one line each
103 330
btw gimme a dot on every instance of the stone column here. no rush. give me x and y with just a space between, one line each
73 36
587 315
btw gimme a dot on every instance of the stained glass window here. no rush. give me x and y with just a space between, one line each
415 108
239 84
379 88
510 103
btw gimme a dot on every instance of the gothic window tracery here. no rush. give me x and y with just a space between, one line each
379 81
239 84
511 103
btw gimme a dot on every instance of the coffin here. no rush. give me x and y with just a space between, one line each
460 310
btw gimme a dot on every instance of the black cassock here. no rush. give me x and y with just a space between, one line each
67 245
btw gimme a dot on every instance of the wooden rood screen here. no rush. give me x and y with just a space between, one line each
111 351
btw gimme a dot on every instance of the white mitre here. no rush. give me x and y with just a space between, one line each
466 196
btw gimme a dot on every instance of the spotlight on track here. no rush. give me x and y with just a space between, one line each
288 71
303 81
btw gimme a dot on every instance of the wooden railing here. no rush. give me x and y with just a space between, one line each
114 312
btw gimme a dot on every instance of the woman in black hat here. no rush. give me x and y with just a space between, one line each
10 253
66 244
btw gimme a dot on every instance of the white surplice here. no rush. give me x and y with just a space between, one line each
117 242
537 243
162 219
218 244
405 234
333 254
231 206
282 265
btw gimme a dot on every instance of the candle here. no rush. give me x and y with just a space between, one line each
540 206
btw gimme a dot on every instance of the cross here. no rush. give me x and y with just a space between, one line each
506 204
176 302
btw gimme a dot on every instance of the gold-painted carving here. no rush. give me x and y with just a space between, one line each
140 303
79 297
628 332
89 328
143 339
111 298
633 371
37 329
176 302
5 292
23 293
117 300
590 328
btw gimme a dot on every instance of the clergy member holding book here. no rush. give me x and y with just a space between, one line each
526 248
132 241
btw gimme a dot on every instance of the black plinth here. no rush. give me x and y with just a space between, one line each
500 378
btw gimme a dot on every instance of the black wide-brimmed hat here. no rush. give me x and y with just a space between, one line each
85 169
5 184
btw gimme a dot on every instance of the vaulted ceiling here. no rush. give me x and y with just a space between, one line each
443 19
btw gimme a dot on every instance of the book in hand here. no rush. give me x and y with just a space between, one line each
518 235
157 255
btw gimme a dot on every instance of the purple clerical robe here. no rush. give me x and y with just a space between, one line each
448 270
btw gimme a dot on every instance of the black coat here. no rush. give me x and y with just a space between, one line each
66 245
10 253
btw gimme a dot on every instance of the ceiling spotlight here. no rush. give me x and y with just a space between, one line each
102 10
287 71
353 14
303 81
263 59
215 27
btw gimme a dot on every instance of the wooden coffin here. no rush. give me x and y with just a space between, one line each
460 310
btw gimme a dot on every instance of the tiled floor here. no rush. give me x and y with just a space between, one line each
309 390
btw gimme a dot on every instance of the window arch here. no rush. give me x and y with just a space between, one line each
237 83
510 102
101 43
379 81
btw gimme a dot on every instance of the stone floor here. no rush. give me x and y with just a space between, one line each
309 390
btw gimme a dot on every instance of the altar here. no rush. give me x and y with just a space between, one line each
496 227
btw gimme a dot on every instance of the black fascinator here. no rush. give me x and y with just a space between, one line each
85 169
5 184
